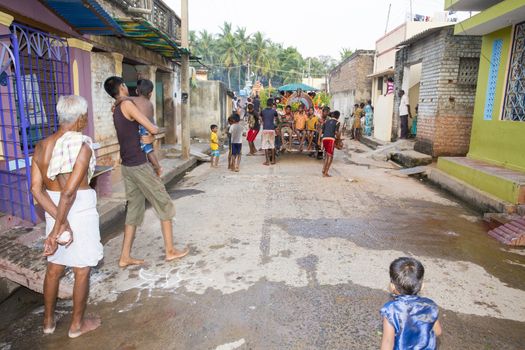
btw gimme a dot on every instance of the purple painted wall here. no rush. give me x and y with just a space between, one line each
83 59
36 11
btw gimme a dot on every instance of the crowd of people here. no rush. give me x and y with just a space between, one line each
319 132
64 163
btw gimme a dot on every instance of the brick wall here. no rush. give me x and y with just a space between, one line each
352 73
452 135
445 106
348 82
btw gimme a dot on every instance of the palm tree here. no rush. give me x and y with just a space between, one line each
345 52
229 54
259 57
292 63
225 29
243 42
206 47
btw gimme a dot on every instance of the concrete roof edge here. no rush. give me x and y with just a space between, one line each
356 53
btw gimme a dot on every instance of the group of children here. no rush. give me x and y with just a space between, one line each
302 123
235 133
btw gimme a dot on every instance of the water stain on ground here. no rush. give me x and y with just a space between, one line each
418 227
268 316
180 193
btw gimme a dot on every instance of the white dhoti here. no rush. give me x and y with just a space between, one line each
86 249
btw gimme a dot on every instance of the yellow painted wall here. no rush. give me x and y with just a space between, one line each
497 141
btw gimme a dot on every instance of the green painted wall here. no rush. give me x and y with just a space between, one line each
497 141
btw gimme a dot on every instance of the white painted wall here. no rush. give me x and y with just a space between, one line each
383 111
343 102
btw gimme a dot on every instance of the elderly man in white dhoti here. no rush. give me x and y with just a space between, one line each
62 167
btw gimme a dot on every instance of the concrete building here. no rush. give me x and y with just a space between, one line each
384 63
439 71
211 103
349 82
495 163
318 83
52 48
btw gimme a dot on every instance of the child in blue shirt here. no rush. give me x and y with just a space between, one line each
145 106
409 321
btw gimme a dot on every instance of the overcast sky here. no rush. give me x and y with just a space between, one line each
313 27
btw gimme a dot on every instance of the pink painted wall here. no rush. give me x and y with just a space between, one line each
37 12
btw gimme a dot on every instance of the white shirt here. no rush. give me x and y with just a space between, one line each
403 109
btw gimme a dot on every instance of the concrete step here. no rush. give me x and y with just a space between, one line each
371 142
482 200
25 264
504 183
411 158
511 233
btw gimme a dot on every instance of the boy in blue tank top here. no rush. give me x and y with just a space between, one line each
409 321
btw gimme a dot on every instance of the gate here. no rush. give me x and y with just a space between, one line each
34 72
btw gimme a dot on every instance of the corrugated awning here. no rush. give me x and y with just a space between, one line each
146 34
85 16
389 71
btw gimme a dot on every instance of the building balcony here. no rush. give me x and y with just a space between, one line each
469 5
503 14
156 12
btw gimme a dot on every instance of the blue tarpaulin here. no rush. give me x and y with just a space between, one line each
294 87
85 16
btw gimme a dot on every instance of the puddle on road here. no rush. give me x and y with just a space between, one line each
419 228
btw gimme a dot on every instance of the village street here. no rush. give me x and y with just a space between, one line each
285 259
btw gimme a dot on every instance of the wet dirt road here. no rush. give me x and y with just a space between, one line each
284 259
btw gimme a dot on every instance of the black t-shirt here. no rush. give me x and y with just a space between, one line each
253 120
330 128
268 115
256 104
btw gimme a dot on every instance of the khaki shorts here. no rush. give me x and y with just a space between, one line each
142 183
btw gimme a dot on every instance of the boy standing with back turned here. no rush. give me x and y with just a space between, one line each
409 321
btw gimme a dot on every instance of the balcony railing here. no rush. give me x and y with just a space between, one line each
154 11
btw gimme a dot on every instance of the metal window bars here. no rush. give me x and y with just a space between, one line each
514 107
34 72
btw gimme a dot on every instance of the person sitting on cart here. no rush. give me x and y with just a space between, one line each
311 127
286 128
300 125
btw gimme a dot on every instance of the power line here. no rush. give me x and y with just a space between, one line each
252 65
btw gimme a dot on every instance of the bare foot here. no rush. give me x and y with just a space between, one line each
129 261
88 324
266 163
177 254
326 175
273 162
158 171
49 326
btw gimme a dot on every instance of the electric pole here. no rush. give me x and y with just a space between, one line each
185 82
388 17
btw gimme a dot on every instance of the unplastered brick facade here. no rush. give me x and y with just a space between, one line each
446 93
348 82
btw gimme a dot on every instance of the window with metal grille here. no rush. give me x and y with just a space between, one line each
468 70
514 107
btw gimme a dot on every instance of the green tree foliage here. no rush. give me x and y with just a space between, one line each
345 53
234 56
